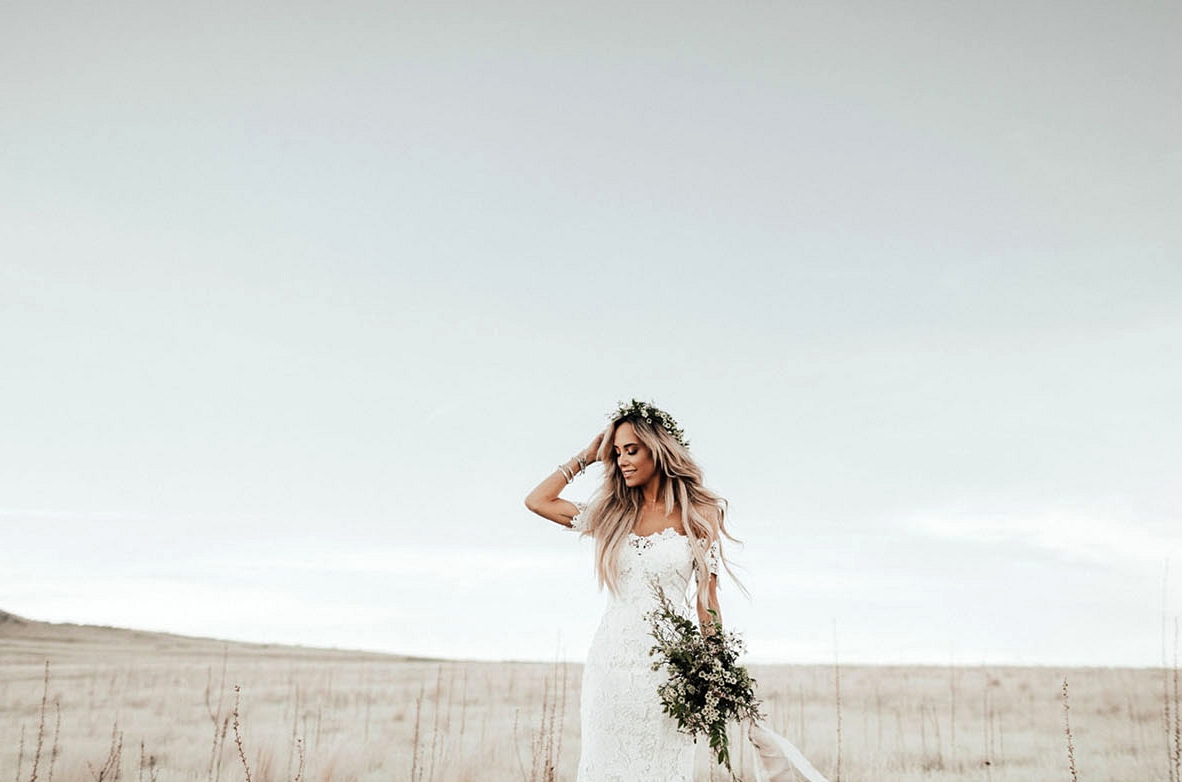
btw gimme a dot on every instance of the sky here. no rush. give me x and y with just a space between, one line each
299 301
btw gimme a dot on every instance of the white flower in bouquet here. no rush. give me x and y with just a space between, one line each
706 688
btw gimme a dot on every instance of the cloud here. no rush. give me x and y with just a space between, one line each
1070 536
412 559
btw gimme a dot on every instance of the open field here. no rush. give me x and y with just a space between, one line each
162 707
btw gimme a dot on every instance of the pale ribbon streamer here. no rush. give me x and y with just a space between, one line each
776 759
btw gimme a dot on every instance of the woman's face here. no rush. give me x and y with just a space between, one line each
633 458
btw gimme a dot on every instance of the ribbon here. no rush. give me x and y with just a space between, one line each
776 758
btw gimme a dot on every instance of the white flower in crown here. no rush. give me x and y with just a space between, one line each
648 412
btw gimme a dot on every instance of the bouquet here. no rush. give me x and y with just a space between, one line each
706 687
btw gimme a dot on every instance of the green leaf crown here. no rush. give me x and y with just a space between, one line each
648 412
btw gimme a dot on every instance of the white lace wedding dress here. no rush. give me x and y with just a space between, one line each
626 737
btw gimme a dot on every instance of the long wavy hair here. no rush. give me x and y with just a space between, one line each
615 509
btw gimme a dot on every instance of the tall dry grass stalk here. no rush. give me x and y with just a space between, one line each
800 717
923 733
952 708
999 732
463 706
435 728
986 725
20 755
552 710
416 772
57 730
878 716
147 763
1168 703
1067 730
220 723
546 742
238 733
939 762
295 723
40 725
837 700
39 747
112 768
1176 764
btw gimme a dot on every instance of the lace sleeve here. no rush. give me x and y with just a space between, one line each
712 558
712 555
576 523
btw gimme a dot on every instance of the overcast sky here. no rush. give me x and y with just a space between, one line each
297 303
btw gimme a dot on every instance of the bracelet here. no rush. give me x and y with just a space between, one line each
582 463
566 473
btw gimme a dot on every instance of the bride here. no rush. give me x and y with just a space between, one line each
652 517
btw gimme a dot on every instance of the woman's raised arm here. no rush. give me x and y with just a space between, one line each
544 499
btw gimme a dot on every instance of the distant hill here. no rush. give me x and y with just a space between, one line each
6 617
35 640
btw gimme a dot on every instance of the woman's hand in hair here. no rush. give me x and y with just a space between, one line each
544 499
591 452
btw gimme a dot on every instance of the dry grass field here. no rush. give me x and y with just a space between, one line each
117 704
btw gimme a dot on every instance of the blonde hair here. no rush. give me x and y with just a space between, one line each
615 508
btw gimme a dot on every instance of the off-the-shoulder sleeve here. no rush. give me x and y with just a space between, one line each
712 557
577 522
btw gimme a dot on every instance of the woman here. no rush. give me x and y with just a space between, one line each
651 517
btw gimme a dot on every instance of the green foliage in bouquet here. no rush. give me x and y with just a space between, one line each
706 687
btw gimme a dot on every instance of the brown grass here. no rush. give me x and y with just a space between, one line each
326 716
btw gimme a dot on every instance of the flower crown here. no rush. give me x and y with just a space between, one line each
648 412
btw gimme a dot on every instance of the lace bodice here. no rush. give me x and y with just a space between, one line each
642 542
